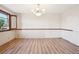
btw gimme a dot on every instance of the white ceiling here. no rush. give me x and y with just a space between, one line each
50 8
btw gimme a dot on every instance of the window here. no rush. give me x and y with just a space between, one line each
13 22
4 21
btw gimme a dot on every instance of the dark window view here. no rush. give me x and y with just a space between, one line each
4 21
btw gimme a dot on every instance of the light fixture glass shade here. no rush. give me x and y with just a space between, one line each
38 11
38 14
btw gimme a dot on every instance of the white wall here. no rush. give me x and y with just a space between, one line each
44 21
70 20
7 35
38 34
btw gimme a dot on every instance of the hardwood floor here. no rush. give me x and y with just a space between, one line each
39 46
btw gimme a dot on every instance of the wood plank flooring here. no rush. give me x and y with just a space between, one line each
39 46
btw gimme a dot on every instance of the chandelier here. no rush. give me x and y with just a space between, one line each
38 11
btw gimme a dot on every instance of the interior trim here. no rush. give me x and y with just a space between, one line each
45 29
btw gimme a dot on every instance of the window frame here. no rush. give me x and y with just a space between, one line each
4 12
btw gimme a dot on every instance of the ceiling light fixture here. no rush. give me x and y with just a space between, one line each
38 11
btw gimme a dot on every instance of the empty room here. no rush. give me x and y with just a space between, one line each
39 28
